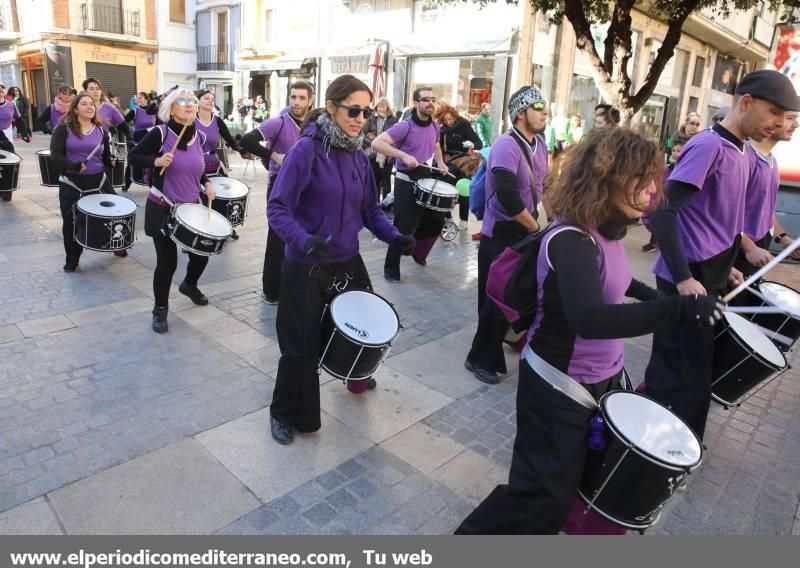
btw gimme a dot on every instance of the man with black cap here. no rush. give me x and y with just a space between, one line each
517 167
698 231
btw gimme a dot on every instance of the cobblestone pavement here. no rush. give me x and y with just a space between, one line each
107 427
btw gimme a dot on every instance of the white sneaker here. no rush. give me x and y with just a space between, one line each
462 226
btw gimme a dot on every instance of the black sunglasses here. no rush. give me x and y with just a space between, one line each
353 111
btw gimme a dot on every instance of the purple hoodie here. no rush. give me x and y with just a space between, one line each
280 133
327 193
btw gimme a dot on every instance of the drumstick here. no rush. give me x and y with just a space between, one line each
756 310
175 145
774 335
210 201
437 170
763 270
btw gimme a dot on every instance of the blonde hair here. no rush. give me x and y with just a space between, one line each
165 108
384 100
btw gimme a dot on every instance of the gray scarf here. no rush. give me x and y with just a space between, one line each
335 136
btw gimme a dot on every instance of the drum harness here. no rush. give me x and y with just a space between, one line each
558 380
65 180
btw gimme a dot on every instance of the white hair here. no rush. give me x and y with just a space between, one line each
165 108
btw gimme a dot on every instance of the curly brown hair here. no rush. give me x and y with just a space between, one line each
443 109
606 162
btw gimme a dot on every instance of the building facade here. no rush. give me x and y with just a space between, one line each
177 46
218 29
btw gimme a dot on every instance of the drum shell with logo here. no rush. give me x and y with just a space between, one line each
739 366
9 171
435 195
629 483
781 296
189 227
349 351
230 200
48 171
105 223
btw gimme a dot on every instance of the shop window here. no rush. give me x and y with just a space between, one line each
699 67
582 99
694 102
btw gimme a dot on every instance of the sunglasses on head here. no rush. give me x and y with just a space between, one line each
183 101
426 100
354 111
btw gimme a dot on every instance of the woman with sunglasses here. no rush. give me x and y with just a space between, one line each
51 115
144 118
325 194
583 277
179 183
688 129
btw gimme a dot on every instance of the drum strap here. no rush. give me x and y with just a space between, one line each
65 180
558 380
402 176
160 195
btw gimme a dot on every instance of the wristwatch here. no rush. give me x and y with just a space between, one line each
779 238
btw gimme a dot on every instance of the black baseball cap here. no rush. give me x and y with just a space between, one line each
771 86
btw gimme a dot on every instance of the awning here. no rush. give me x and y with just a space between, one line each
447 45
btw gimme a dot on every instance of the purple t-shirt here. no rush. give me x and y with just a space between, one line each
590 360
211 132
415 140
762 193
710 220
142 120
8 113
280 134
109 115
182 177
55 116
507 154
77 149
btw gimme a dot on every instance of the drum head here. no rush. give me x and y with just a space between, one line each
652 428
195 216
43 153
755 339
9 158
781 296
364 317
106 205
437 187
228 188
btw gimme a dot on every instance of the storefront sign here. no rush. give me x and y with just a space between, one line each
59 66
352 64
100 55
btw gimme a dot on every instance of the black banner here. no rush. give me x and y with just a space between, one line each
59 67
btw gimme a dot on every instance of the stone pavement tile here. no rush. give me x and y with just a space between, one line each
471 475
133 306
232 285
10 333
245 341
397 403
266 359
180 489
33 517
92 315
270 470
424 448
201 314
220 327
34 250
3 258
43 326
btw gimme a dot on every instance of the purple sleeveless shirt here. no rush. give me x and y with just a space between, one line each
55 116
79 148
109 115
142 120
182 177
211 132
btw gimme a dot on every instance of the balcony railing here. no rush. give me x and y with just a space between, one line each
215 57
110 19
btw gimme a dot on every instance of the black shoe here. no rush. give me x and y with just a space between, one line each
483 375
70 267
649 247
270 301
371 384
282 433
391 275
121 253
194 293
235 235
160 319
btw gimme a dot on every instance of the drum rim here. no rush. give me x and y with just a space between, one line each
743 344
433 190
198 231
19 158
785 286
625 524
98 216
193 250
388 303
653 459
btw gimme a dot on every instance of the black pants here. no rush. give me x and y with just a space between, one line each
306 291
137 137
679 372
273 257
550 452
411 219
68 196
167 255
383 175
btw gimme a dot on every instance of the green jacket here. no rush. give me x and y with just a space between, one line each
484 127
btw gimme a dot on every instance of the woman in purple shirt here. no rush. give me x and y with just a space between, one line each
79 147
108 114
51 115
583 278
325 194
179 183
144 118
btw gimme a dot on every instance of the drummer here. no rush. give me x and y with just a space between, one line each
583 278
51 115
108 114
79 147
144 118
179 183
516 170
762 194
10 116
412 143
324 195
214 128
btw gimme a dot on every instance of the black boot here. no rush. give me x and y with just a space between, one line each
194 293
160 319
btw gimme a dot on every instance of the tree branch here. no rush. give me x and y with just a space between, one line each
574 12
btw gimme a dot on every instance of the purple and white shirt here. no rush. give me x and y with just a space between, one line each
79 148
415 140
762 194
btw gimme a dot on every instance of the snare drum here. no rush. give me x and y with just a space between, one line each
230 200
9 171
359 328
785 298
648 452
744 359
105 222
435 194
48 171
192 230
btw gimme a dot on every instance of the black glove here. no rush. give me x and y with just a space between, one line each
407 244
318 247
705 311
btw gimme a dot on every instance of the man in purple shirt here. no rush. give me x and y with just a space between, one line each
699 231
270 142
413 143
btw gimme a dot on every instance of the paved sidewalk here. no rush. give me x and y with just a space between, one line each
106 427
